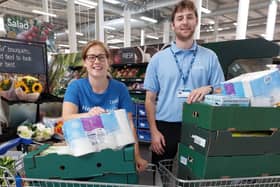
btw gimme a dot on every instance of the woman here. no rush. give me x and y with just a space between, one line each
98 92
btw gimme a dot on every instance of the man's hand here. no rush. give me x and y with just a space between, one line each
158 142
198 94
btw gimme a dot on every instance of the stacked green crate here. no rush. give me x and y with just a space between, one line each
228 141
116 166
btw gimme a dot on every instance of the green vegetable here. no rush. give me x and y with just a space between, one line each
8 163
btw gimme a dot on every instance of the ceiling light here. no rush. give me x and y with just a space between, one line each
114 47
82 42
59 34
205 10
114 41
112 1
148 19
77 33
110 36
211 22
43 13
108 27
86 3
152 37
63 45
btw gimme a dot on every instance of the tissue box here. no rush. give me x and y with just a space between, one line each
260 83
194 165
93 166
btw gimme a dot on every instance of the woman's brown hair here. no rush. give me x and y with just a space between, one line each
96 43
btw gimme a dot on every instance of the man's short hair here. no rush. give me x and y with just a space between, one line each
184 4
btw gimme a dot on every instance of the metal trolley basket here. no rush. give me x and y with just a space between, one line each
16 181
10 180
13 177
167 169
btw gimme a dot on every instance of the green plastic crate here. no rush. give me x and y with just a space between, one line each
194 165
116 165
228 143
231 117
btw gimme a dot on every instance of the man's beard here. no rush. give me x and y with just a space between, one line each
183 37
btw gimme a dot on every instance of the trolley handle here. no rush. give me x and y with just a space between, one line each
13 143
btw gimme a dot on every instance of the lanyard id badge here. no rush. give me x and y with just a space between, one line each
183 92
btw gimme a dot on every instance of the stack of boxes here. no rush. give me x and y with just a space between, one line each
228 141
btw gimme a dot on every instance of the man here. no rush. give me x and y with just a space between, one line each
182 72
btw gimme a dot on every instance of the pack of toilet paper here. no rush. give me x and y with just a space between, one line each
261 83
105 131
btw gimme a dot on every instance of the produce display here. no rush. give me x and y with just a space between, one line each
61 72
135 86
129 72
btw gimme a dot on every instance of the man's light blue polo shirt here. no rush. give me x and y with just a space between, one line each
163 77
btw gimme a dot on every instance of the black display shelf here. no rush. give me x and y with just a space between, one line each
130 65
137 91
8 133
130 79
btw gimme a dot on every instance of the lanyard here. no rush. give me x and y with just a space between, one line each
184 77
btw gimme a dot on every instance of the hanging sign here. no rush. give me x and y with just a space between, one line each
22 57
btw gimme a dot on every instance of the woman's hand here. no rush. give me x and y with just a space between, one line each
96 111
141 164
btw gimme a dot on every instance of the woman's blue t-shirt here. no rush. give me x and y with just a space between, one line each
116 96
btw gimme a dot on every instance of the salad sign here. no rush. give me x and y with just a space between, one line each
26 29
22 57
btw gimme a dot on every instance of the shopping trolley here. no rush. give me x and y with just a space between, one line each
167 170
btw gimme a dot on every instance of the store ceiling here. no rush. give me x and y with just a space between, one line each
223 11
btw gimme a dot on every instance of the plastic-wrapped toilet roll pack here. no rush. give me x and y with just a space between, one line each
108 130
